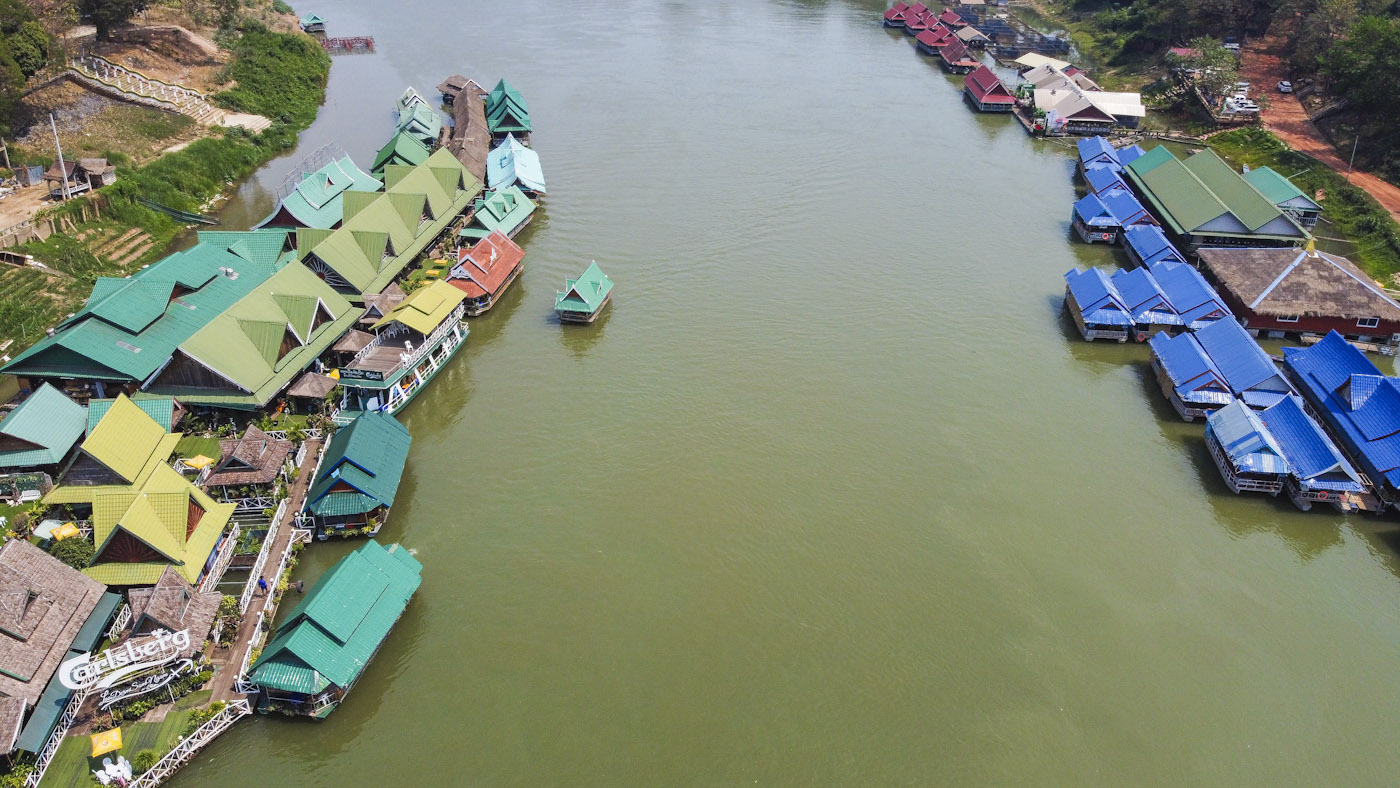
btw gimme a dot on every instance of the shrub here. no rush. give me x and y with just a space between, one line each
144 760
76 551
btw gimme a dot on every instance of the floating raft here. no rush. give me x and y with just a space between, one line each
352 45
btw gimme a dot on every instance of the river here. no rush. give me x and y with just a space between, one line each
833 494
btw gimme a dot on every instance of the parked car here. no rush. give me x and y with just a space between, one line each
1285 87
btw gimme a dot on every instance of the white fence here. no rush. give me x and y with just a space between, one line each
221 563
119 623
181 755
41 764
252 585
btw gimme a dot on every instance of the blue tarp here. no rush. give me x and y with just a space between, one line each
1313 458
1148 244
1246 441
1193 299
511 163
1098 300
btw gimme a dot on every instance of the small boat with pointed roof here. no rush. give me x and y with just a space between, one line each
584 297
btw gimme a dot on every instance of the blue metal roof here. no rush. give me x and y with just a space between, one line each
1123 206
1193 299
1096 149
1144 298
1150 244
1187 365
1235 353
1091 210
1323 369
1102 177
511 163
1099 301
1314 459
1129 154
1245 440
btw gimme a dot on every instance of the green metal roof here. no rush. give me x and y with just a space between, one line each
1275 188
330 636
402 148
125 439
318 199
95 628
162 409
369 456
48 710
130 326
242 344
47 420
1241 199
505 210
421 122
425 308
586 293
505 110
1151 160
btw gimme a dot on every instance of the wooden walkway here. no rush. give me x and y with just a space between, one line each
228 662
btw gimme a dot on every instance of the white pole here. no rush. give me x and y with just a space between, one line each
62 168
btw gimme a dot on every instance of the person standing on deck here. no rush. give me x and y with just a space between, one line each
262 585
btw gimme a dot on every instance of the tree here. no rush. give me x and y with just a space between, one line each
1363 66
1218 69
29 46
11 87
76 551
107 14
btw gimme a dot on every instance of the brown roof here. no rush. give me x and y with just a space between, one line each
43 604
173 604
471 139
1280 282
382 303
252 459
452 85
11 721
312 385
353 342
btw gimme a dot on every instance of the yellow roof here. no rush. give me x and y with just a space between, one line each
425 308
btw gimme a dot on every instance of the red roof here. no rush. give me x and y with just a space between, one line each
987 88
900 6
955 52
918 8
913 21
935 36
951 19
895 13
486 266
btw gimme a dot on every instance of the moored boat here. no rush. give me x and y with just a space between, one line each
584 297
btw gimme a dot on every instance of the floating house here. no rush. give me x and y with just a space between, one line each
329 638
247 470
1096 150
1147 244
145 515
1285 196
1193 299
40 433
986 91
52 613
412 343
312 23
1302 291
916 23
402 149
1078 101
583 298
894 17
470 141
507 210
506 112
1202 371
513 164
1203 202
318 197
359 476
1093 221
951 20
1129 154
1246 454
382 233
1032 60
452 87
1104 178
1051 77
1096 306
1148 304
1317 470
974 38
933 39
1357 404
417 119
485 270
956 58
1125 208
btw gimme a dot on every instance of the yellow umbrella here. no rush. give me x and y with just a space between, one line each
64 531
199 462
106 741
334 374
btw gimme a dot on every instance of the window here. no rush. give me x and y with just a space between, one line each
1368 322
1287 319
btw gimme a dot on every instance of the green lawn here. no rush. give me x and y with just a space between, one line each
191 445
72 768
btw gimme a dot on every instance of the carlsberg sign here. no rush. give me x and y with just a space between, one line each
116 664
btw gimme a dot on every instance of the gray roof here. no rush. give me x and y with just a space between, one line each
173 604
43 604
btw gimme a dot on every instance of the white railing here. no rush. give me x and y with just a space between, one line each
41 764
119 623
241 684
221 563
186 749
256 572
311 433
408 359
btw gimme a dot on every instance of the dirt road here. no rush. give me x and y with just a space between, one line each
1263 66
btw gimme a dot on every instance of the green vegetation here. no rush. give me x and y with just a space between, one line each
72 767
1352 212
107 14
200 716
76 551
25 48
1362 67
193 445
279 76
144 760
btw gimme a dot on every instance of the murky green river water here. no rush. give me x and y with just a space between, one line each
833 495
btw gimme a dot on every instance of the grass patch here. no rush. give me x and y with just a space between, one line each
72 767
193 700
191 445
1353 214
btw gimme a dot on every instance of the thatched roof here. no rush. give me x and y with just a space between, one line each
11 721
252 459
173 604
43 604
353 342
379 304
312 385
452 86
1282 282
471 139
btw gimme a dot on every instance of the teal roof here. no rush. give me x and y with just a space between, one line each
48 710
312 19
420 121
330 636
505 110
95 628
505 210
46 425
318 199
586 293
130 326
402 148
368 457
1275 188
162 409
513 164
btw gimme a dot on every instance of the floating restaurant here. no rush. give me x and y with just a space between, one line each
1244 451
513 164
1205 370
330 637
318 197
1103 178
417 119
894 17
1093 221
507 211
1148 303
1317 470
358 477
584 297
956 58
1096 306
485 270
402 149
986 91
506 112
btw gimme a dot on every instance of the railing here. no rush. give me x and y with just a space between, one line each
241 684
256 572
409 359
106 69
41 764
221 563
312 433
119 623
192 744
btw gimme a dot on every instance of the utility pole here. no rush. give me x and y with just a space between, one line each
62 168
1353 157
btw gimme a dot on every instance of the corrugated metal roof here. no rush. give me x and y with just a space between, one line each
1241 199
1150 244
1235 353
504 210
1091 210
1245 440
505 110
1122 206
1190 295
402 148
1275 188
513 164
1311 455
1187 365
162 409
1098 299
586 293
1144 298
48 420
369 455
425 308
318 199
1102 177
1096 149
125 439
